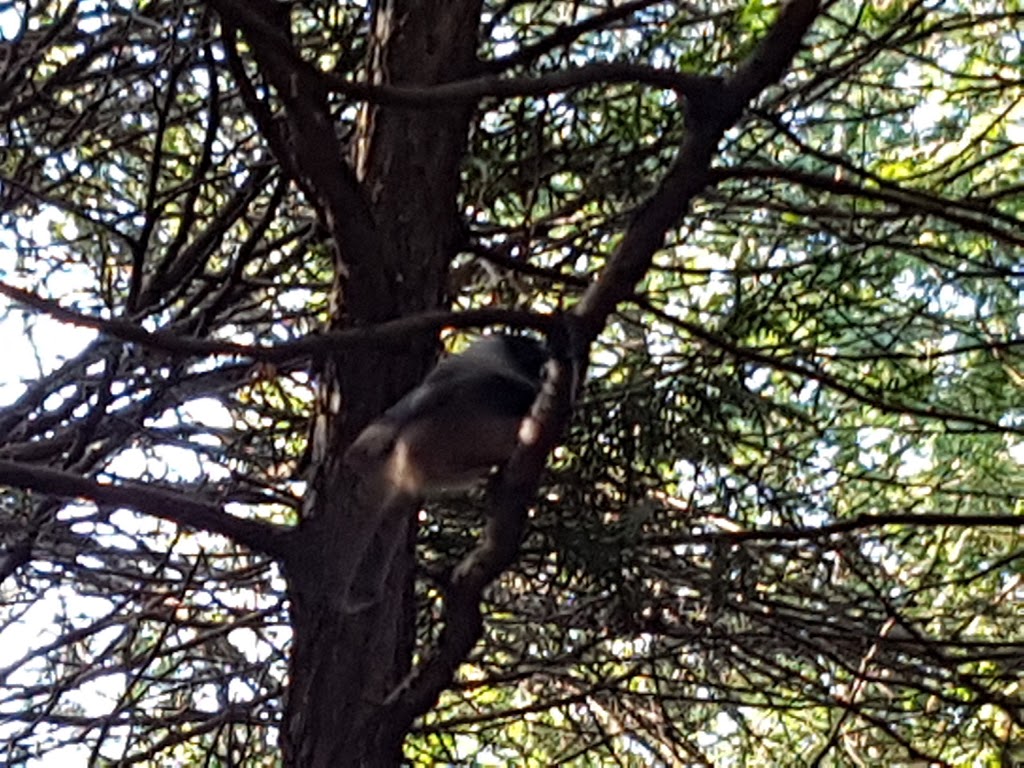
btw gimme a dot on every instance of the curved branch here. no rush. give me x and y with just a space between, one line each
476 88
314 150
710 115
177 508
891 194
312 346
567 34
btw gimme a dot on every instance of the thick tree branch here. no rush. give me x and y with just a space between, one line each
476 88
315 149
711 112
291 75
316 346
303 87
16 555
175 507
709 115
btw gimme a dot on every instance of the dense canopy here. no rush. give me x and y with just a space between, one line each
781 523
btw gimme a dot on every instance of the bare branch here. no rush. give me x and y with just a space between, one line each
312 346
858 523
552 82
175 507
891 194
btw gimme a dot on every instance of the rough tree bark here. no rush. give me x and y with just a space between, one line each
345 660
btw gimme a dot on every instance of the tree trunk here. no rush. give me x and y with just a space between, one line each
347 658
